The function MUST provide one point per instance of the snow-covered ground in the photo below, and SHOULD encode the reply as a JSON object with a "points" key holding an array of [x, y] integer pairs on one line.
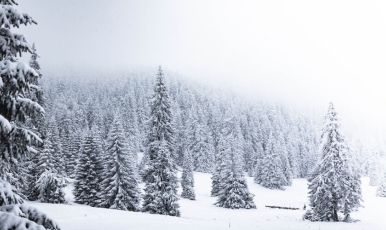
{"points": [[202, 214]]}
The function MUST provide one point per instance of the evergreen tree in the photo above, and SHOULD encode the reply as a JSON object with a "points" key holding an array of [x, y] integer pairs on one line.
{"points": [[19, 84], [33, 62], [160, 172], [233, 190], [46, 161], [187, 180], [270, 173], [57, 156], [353, 193], [161, 184], [160, 120], [223, 147], [381, 190], [201, 144], [119, 186], [286, 167], [50, 187], [180, 134], [38, 125], [18, 177], [75, 149], [374, 168], [333, 187], [88, 173], [66, 142]]}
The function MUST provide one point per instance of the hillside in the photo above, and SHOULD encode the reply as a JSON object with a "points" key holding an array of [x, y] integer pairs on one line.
{"points": [[203, 215]]}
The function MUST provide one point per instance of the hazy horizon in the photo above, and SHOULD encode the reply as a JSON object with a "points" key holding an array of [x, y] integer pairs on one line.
{"points": [[300, 53]]}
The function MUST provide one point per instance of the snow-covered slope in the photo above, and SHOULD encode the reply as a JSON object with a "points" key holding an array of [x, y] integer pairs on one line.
{"points": [[202, 214]]}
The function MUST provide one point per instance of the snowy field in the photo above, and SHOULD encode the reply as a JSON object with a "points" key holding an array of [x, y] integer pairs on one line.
{"points": [[202, 214]]}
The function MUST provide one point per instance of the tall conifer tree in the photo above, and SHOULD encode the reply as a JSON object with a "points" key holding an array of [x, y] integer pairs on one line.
{"points": [[119, 186], [220, 164], [233, 189], [160, 172], [88, 173], [270, 173], [333, 186], [18, 87], [187, 180], [381, 190]]}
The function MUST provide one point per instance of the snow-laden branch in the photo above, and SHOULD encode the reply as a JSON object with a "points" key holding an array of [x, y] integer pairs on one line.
{"points": [[5, 125], [11, 17], [29, 105], [19, 70], [10, 221], [8, 195], [8, 2], [27, 213]]}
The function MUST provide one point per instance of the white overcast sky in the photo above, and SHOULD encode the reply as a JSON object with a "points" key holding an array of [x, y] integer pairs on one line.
{"points": [[303, 52]]}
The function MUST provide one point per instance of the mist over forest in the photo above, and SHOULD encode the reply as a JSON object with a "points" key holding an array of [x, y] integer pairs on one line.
{"points": [[193, 114]]}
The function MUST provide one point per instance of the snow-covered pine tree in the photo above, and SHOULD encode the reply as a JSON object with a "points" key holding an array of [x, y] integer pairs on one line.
{"points": [[15, 105], [131, 128], [286, 167], [180, 132], [160, 172], [39, 125], [88, 172], [38, 96], [270, 173], [187, 179], [119, 181], [49, 185], [18, 177], [220, 164], [66, 142], [46, 161], [161, 184], [57, 156], [33, 62], [233, 189], [253, 148], [381, 190], [353, 193], [17, 140], [333, 187], [374, 169], [33, 175], [75, 150], [201, 144]]}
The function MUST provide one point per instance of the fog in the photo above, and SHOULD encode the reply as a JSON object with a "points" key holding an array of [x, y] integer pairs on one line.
{"points": [[305, 53]]}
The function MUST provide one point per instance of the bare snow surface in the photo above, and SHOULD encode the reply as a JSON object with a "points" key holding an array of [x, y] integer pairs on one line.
{"points": [[203, 215]]}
